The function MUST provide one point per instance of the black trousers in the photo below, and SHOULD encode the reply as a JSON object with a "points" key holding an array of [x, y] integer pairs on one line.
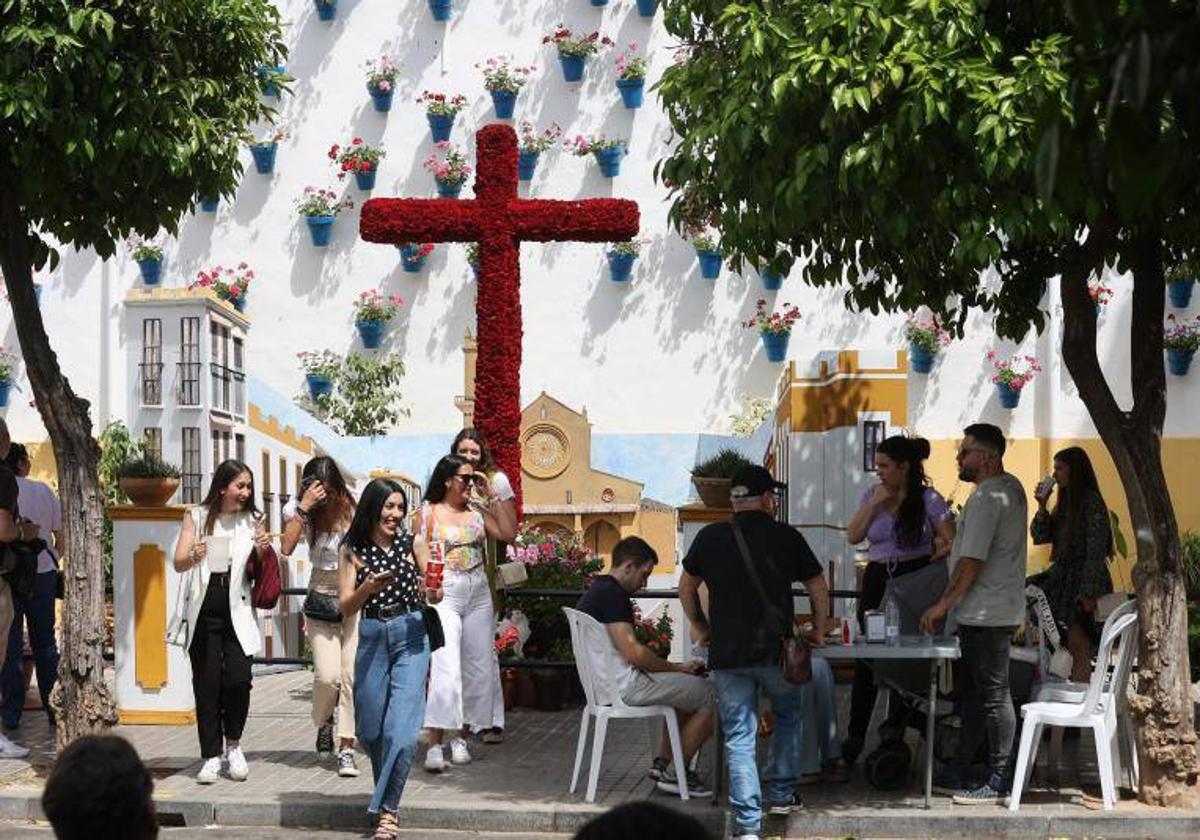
{"points": [[220, 673], [863, 692], [988, 710]]}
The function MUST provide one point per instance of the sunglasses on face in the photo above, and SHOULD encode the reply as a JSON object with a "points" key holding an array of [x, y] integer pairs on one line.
{"points": [[472, 478]]}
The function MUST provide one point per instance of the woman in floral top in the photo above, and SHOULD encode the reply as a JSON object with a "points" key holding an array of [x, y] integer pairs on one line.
{"points": [[1081, 542]]}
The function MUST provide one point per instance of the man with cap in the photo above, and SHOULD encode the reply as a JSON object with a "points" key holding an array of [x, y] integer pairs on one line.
{"points": [[744, 647]]}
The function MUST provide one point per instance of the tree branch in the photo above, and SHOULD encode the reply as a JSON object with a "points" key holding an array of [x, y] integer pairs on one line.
{"points": [[1146, 373]]}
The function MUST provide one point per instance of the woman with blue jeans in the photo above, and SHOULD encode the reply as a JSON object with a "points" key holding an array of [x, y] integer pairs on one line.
{"points": [[382, 576]]}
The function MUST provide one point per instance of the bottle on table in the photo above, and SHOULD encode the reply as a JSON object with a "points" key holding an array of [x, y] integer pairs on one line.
{"points": [[891, 620]]}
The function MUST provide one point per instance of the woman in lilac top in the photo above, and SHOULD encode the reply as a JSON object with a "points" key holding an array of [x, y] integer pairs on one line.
{"points": [[907, 525]]}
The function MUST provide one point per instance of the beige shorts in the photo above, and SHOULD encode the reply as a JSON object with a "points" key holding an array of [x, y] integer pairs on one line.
{"points": [[685, 692]]}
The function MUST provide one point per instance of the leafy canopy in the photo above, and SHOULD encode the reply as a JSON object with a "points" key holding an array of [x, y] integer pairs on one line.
{"points": [[115, 114]]}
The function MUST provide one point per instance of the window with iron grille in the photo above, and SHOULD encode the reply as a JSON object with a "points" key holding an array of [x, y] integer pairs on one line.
{"points": [[190, 474], [150, 369], [152, 442], [239, 447], [189, 361], [873, 434], [219, 370], [267, 496]]}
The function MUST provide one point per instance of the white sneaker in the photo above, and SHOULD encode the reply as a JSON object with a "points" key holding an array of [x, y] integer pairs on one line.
{"points": [[10, 750], [458, 752], [239, 771], [210, 772], [434, 761]]}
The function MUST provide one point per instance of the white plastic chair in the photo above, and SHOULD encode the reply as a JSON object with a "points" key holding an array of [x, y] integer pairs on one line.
{"points": [[597, 660], [1097, 712]]}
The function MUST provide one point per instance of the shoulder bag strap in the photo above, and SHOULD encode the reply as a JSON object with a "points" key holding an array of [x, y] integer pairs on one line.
{"points": [[772, 611]]}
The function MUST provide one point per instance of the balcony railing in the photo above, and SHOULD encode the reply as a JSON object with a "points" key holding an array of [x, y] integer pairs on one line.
{"points": [[228, 390], [188, 382], [151, 382]]}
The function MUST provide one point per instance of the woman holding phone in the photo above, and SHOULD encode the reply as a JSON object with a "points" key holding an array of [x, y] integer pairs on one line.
{"points": [[217, 538], [321, 515], [381, 579]]}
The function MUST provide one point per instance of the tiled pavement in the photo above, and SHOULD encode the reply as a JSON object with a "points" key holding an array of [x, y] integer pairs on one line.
{"points": [[521, 785]]}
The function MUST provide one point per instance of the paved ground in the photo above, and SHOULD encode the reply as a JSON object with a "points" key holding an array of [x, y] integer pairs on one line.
{"points": [[521, 786]]}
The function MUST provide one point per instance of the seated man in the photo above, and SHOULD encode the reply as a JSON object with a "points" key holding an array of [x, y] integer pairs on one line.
{"points": [[646, 679]]}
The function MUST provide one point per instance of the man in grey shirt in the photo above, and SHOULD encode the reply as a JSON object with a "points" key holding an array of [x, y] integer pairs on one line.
{"points": [[987, 592]]}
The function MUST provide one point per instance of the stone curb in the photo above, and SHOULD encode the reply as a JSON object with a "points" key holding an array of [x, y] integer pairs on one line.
{"points": [[992, 823]]}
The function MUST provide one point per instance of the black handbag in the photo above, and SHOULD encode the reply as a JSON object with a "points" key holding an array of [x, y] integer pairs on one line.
{"points": [[321, 607], [433, 628], [18, 566]]}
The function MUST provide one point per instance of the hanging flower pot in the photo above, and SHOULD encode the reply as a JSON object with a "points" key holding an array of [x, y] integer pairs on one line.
{"points": [[264, 157], [440, 126], [1010, 397], [775, 345], [381, 99], [151, 269], [412, 257], [599, 2], [710, 263], [609, 159], [209, 205], [1012, 375], [772, 280], [371, 333], [774, 328], [620, 266], [269, 79], [1179, 361], [572, 67], [441, 9], [1180, 340], [448, 189], [37, 292], [647, 8], [5, 385], [920, 360], [326, 9], [631, 91], [526, 163], [504, 101], [365, 179], [320, 228], [925, 334], [318, 386], [1180, 293]]}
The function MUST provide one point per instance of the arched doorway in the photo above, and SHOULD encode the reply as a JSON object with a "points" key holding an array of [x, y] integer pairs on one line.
{"points": [[600, 538]]}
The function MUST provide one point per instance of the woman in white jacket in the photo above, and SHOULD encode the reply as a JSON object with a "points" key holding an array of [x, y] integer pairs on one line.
{"points": [[216, 540]]}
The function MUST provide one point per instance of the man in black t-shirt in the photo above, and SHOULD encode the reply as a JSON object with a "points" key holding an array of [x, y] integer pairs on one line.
{"points": [[11, 530], [643, 677], [743, 644]]}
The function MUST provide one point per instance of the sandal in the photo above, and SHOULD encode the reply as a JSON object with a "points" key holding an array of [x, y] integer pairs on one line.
{"points": [[387, 828]]}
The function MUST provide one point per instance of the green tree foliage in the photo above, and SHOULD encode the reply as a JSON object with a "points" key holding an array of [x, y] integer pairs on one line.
{"points": [[366, 396], [961, 154]]}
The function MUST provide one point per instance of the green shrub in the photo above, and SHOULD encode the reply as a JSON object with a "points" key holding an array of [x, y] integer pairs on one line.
{"points": [[722, 465], [148, 466]]}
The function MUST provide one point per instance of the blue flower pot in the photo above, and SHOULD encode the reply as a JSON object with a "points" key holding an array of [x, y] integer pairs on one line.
{"points": [[441, 9], [264, 157], [37, 292], [326, 9], [371, 333], [1178, 361], [4, 386], [1009, 396], [772, 280], [599, 2], [209, 205], [775, 345], [269, 88], [321, 229], [447, 189], [380, 99], [239, 303], [504, 101], [526, 163], [1096, 311], [920, 360], [647, 8], [411, 259], [366, 180], [151, 269], [572, 67], [631, 91], [609, 159], [710, 264], [439, 126], [620, 266], [318, 386], [1180, 293]]}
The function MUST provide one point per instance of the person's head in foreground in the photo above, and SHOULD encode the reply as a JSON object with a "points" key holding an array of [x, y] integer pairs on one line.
{"points": [[643, 821], [100, 790]]}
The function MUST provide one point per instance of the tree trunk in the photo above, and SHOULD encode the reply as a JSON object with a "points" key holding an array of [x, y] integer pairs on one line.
{"points": [[81, 699], [1160, 701]]}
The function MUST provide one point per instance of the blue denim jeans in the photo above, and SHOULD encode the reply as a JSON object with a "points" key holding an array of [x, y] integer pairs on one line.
{"points": [[389, 700], [819, 742], [38, 612], [737, 702]]}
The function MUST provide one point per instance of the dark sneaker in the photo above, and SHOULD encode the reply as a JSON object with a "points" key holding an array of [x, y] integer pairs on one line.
{"points": [[782, 809], [657, 768], [949, 781], [852, 747], [983, 795], [325, 739], [667, 783]]}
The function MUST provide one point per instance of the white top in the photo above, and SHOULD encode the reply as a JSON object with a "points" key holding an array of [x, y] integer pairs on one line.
{"points": [[39, 504], [323, 553], [240, 528]]}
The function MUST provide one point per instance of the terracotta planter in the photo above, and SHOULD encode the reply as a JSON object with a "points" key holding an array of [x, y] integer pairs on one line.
{"points": [[508, 685], [714, 492], [149, 492], [552, 688]]}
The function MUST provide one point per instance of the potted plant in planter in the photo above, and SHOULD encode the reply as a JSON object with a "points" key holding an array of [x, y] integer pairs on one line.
{"points": [[272, 81], [360, 158], [413, 256], [1100, 295], [1181, 338], [574, 50], [708, 254], [320, 207], [7, 362], [1181, 279], [621, 257], [148, 481], [647, 8], [149, 257], [607, 152], [473, 259], [775, 328], [925, 336], [772, 280], [440, 111], [441, 9], [231, 285], [631, 77], [531, 145], [320, 371], [504, 81], [208, 203], [372, 311], [449, 172], [381, 81], [1011, 376], [263, 151], [326, 9], [712, 476]]}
